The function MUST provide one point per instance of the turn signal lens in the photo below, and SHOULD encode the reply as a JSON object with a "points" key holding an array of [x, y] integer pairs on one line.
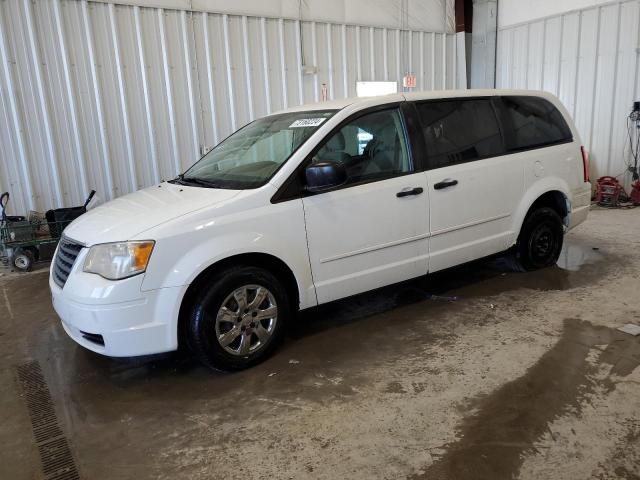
{"points": [[141, 253]]}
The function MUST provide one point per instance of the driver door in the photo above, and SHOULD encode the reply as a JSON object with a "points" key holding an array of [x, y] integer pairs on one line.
{"points": [[373, 230]]}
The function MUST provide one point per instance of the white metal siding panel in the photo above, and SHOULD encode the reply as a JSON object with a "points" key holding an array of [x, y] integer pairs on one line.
{"points": [[450, 61], [589, 59], [111, 97], [604, 92], [569, 60], [20, 85], [625, 87], [535, 56], [586, 73], [552, 48], [519, 55], [503, 60]]}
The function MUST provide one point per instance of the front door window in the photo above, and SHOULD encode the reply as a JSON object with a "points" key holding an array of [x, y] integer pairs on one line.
{"points": [[371, 147]]}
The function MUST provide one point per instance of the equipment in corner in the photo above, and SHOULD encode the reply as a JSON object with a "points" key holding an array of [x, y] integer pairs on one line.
{"points": [[608, 191], [22, 239], [634, 118], [59, 218], [635, 193], [633, 131], [611, 194]]}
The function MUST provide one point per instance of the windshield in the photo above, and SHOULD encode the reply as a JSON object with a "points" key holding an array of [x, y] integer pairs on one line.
{"points": [[249, 157]]}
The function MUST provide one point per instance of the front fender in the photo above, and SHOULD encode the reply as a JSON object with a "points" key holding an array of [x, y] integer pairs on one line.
{"points": [[184, 251]]}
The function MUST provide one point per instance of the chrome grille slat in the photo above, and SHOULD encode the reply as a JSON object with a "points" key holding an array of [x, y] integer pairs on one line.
{"points": [[71, 249], [68, 251], [69, 257], [64, 267]]}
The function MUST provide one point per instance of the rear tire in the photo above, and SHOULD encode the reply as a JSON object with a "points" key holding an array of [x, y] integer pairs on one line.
{"points": [[238, 318], [540, 241]]}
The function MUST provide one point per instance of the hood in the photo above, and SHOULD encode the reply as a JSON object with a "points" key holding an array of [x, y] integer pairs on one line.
{"points": [[125, 217]]}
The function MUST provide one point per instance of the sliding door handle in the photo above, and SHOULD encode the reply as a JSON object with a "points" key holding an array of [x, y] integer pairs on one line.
{"points": [[412, 191], [445, 184]]}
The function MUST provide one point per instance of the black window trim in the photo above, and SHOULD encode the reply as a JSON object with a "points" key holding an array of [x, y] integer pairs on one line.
{"points": [[492, 99], [293, 187]]}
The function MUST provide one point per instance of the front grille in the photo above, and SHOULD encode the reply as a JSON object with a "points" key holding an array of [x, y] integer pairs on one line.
{"points": [[68, 251]]}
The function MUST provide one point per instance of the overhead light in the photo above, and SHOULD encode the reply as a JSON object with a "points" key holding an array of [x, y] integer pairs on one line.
{"points": [[374, 89]]}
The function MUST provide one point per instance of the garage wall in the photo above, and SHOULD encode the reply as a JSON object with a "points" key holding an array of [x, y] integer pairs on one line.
{"points": [[520, 11], [589, 59], [428, 15], [113, 97]]}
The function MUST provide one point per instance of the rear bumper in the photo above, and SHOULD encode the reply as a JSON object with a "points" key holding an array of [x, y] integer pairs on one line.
{"points": [[141, 326], [580, 205]]}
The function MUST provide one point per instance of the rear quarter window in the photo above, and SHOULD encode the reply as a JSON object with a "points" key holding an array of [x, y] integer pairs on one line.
{"points": [[459, 130], [531, 122]]}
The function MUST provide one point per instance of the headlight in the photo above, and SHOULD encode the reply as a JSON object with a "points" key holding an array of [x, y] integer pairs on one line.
{"points": [[115, 261]]}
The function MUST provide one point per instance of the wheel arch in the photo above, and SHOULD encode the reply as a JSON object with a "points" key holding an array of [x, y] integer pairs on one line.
{"points": [[552, 193], [253, 259], [554, 199]]}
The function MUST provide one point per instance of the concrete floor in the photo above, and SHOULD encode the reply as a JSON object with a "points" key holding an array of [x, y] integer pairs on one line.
{"points": [[522, 376]]}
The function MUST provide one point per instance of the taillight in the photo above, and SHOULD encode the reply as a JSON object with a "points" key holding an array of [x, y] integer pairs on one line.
{"points": [[585, 164]]}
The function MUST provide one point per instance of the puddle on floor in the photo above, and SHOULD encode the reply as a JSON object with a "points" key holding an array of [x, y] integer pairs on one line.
{"points": [[509, 421], [575, 255]]}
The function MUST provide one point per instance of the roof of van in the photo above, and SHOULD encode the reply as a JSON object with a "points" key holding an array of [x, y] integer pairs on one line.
{"points": [[412, 96]]}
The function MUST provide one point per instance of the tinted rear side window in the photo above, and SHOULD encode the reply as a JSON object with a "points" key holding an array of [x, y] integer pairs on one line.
{"points": [[459, 130], [530, 122]]}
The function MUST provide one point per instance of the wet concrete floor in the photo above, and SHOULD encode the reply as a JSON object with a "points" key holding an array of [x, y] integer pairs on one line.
{"points": [[472, 373]]}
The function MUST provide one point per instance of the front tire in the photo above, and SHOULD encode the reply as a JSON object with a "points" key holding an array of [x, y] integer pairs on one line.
{"points": [[238, 318], [540, 241]]}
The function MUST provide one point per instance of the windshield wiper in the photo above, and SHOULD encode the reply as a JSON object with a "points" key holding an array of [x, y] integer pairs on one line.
{"points": [[199, 181], [179, 180]]}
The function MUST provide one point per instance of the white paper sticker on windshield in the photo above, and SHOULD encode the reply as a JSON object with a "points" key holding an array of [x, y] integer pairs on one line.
{"points": [[307, 122]]}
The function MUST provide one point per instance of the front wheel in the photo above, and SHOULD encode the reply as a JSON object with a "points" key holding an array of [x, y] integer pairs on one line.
{"points": [[238, 318], [540, 241]]}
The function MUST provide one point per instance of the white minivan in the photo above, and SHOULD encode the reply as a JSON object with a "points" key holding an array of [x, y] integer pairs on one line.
{"points": [[317, 203]]}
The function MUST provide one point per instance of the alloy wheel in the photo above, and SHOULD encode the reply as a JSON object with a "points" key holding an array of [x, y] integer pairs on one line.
{"points": [[246, 320]]}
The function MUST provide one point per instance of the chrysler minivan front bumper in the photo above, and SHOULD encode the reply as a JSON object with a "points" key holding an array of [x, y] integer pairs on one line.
{"points": [[116, 318]]}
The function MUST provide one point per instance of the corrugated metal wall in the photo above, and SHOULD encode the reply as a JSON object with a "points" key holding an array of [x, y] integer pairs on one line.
{"points": [[116, 97], [589, 59]]}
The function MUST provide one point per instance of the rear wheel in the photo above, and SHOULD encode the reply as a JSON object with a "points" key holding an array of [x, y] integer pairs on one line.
{"points": [[238, 318], [540, 241]]}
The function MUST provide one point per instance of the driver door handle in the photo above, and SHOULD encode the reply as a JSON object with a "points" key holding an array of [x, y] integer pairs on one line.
{"points": [[412, 191], [445, 184]]}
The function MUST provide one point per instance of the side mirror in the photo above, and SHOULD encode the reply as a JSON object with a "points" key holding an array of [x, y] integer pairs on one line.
{"points": [[323, 176]]}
